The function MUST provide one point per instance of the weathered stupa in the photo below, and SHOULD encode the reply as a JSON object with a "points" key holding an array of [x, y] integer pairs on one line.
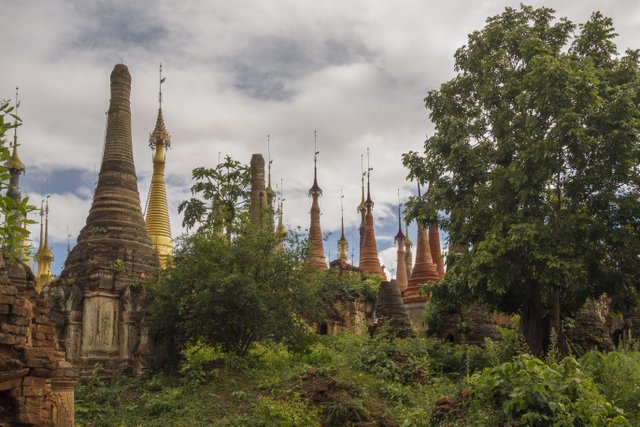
{"points": [[408, 253], [369, 261], [258, 198], [157, 218], [436, 252], [315, 248], [101, 311], [401, 267], [391, 312]]}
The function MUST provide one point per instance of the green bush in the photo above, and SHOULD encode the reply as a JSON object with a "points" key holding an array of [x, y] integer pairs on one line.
{"points": [[532, 393], [617, 375]]}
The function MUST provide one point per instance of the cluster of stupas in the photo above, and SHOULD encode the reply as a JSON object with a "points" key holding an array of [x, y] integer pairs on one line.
{"points": [[428, 267], [96, 298]]}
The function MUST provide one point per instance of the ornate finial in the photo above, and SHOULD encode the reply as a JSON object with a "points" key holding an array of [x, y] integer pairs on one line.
{"points": [[160, 134], [342, 212], [369, 169], [269, 162], [161, 80], [14, 162], [68, 240], [399, 235], [316, 188]]}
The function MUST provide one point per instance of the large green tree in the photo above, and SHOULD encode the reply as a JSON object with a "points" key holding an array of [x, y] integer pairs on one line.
{"points": [[534, 168]]}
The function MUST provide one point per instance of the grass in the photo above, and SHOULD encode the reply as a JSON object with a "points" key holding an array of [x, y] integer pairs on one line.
{"points": [[345, 380]]}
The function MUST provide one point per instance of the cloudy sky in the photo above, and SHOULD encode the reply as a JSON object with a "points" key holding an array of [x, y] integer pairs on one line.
{"points": [[356, 71]]}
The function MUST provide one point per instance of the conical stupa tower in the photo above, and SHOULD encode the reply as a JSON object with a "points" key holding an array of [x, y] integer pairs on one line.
{"points": [[157, 219], [315, 248], [44, 256], [16, 168], [424, 270], [401, 267], [408, 253], [436, 252], [115, 231], [362, 207], [281, 232], [104, 309], [258, 199], [369, 261]]}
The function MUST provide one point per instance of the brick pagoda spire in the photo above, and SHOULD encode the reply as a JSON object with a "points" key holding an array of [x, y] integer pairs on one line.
{"points": [[408, 253], [436, 252], [103, 312], [157, 219], [362, 207], [258, 197], [315, 249], [115, 228], [369, 260], [424, 270], [401, 267]]}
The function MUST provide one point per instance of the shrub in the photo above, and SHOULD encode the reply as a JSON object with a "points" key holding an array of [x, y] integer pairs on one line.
{"points": [[533, 393]]}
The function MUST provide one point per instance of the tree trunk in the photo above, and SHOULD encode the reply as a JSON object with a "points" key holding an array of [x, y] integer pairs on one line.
{"points": [[534, 323]]}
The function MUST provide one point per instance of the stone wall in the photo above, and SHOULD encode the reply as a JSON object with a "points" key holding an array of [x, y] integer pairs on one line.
{"points": [[354, 316], [36, 383]]}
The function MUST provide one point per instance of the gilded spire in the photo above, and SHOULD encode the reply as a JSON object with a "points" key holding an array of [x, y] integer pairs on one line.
{"points": [[343, 243], [369, 260], [157, 215], [16, 168], [14, 163], [44, 256], [401, 268], [315, 249]]}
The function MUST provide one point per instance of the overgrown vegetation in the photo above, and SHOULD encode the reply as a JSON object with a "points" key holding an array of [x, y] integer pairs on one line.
{"points": [[348, 379]]}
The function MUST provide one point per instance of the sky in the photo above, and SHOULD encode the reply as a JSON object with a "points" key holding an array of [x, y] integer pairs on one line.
{"points": [[354, 71]]}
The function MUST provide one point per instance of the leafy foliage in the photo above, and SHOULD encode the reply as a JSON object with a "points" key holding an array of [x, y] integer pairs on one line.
{"points": [[533, 393], [533, 166], [232, 294], [224, 196], [13, 212]]}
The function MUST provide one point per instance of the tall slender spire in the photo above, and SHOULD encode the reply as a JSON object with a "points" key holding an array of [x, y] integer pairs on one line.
{"points": [[424, 270], [157, 215], [343, 243], [270, 193], [434, 244], [401, 268], [16, 168], [408, 253], [315, 249], [281, 232], [44, 256], [369, 260], [362, 207]]}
